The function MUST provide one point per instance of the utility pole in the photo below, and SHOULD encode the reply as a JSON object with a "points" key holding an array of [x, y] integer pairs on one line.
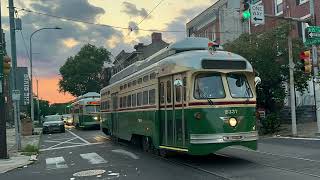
{"points": [[292, 90], [3, 135], [315, 67], [16, 114]]}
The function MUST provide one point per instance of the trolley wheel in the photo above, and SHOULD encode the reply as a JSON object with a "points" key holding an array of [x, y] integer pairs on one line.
{"points": [[146, 144]]}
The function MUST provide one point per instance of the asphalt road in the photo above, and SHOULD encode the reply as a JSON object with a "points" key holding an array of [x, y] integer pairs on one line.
{"points": [[90, 154]]}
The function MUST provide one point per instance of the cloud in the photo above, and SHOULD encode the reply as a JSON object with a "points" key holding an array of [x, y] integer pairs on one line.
{"points": [[132, 10], [179, 23], [70, 42], [52, 47]]}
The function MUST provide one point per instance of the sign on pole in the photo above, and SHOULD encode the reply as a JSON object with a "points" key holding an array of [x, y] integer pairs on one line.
{"points": [[312, 35], [257, 14], [16, 95]]}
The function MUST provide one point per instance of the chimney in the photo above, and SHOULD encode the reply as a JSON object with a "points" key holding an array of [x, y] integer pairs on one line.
{"points": [[156, 37]]}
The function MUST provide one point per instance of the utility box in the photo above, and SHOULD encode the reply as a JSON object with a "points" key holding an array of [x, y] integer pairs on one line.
{"points": [[26, 127]]}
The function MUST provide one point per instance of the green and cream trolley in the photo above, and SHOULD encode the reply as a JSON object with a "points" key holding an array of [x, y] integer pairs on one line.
{"points": [[183, 98], [86, 110]]}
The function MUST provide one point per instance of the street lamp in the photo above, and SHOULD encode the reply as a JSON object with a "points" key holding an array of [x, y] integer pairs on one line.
{"points": [[31, 88]]}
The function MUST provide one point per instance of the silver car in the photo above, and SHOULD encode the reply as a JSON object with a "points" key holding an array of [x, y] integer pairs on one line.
{"points": [[53, 123]]}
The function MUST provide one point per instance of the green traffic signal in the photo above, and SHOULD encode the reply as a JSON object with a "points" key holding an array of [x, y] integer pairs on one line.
{"points": [[246, 15]]}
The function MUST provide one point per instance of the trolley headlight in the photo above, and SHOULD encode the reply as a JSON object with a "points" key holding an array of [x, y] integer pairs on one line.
{"points": [[95, 118], [233, 122]]}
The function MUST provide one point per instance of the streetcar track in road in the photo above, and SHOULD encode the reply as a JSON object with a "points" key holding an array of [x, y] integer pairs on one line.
{"points": [[277, 167], [280, 155], [223, 176]]}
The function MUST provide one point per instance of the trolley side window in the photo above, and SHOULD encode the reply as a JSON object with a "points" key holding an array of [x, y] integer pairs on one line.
{"points": [[134, 100], [161, 93], [239, 86], [209, 86], [129, 101], [178, 93], [139, 99], [168, 91], [145, 97], [152, 96]]}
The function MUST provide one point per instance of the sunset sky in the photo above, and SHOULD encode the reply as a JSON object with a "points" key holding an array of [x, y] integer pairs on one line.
{"points": [[52, 47]]}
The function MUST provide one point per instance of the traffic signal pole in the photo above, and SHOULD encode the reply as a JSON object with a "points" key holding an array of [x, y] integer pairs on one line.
{"points": [[3, 135], [315, 69]]}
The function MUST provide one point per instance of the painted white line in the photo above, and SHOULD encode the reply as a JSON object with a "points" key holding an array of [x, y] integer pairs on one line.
{"points": [[296, 138], [61, 143], [93, 158], [127, 153], [64, 142], [280, 155], [85, 141], [66, 147], [56, 163]]}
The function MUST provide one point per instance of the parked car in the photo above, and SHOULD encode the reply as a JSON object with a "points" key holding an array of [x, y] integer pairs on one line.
{"points": [[53, 123]]}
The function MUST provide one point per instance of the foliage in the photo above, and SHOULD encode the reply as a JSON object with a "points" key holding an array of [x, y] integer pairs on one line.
{"points": [[270, 124], [44, 108], [30, 150], [268, 53], [84, 72], [58, 108]]}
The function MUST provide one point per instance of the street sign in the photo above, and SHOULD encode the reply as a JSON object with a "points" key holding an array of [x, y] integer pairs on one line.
{"points": [[15, 95], [312, 35], [257, 14]]}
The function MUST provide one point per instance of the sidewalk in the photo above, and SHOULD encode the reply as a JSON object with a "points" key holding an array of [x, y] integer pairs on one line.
{"points": [[307, 130], [16, 158]]}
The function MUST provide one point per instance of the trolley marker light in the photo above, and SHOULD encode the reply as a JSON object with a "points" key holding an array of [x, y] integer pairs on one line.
{"points": [[6, 65]]}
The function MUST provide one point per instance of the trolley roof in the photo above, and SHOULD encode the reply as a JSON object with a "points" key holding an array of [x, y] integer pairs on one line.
{"points": [[88, 97], [188, 53]]}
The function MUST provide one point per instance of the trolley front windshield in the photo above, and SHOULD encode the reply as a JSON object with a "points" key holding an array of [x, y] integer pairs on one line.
{"points": [[209, 86], [239, 86]]}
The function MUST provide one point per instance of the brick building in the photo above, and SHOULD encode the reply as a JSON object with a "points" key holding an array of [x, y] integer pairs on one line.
{"points": [[124, 59], [220, 22], [289, 8]]}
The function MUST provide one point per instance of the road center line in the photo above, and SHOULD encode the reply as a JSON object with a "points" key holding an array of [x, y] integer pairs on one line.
{"points": [[85, 141]]}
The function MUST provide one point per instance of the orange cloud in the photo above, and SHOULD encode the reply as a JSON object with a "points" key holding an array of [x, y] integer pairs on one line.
{"points": [[49, 90], [70, 42]]}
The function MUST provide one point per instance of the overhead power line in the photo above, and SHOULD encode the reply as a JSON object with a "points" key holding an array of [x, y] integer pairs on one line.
{"points": [[111, 26], [96, 24], [150, 12]]}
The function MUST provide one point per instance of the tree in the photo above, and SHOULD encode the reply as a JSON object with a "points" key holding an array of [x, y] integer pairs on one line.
{"points": [[84, 72], [268, 53]]}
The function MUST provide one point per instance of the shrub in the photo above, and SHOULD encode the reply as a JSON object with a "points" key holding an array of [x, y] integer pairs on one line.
{"points": [[270, 124]]}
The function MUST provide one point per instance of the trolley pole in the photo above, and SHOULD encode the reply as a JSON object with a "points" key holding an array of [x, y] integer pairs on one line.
{"points": [[3, 134], [315, 69]]}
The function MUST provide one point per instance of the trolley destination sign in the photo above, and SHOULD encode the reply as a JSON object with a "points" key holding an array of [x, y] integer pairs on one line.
{"points": [[312, 35]]}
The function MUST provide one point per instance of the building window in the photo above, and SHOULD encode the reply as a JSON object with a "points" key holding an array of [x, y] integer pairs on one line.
{"points": [[129, 84], [278, 7], [139, 80], [152, 96], [121, 87], [145, 97], [134, 82], [125, 86]]}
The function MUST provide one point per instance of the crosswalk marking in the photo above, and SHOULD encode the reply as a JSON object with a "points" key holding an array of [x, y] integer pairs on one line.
{"points": [[93, 158], [56, 163]]}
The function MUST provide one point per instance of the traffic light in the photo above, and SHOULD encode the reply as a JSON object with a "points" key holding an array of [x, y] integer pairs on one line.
{"points": [[305, 58], [246, 10], [6, 65]]}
